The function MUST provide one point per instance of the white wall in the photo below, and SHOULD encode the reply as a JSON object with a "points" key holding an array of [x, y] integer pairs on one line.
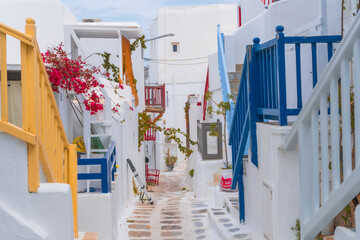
{"points": [[250, 9], [50, 17], [272, 195], [195, 30], [96, 214], [47, 213]]}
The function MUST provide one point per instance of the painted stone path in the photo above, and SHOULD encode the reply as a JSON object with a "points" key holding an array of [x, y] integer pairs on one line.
{"points": [[175, 215]]}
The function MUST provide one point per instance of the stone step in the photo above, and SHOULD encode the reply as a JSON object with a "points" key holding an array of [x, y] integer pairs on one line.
{"points": [[342, 233], [239, 67], [101, 123], [234, 76], [88, 236], [228, 228], [231, 205]]}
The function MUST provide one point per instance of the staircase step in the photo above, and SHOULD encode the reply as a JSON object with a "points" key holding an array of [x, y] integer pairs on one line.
{"points": [[342, 233], [99, 150], [229, 228], [101, 123], [88, 236], [101, 135], [239, 67], [231, 205]]}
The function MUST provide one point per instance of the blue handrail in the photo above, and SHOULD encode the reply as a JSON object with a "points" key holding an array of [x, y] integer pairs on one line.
{"points": [[224, 78], [262, 94], [107, 169]]}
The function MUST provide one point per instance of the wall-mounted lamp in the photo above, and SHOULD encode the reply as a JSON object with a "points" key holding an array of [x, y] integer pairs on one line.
{"points": [[162, 36]]}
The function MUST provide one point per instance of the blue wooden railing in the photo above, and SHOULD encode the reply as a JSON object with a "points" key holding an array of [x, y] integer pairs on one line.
{"points": [[262, 94], [224, 78], [107, 169]]}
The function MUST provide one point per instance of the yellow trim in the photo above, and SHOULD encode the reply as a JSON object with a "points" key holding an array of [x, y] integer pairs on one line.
{"points": [[18, 132], [4, 78], [41, 128], [46, 166], [16, 34], [73, 183]]}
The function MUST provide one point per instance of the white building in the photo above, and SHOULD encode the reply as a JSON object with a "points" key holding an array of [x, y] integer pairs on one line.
{"points": [[282, 185], [48, 213], [180, 61]]}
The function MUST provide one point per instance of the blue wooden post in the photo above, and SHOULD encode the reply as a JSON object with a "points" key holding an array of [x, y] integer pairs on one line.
{"points": [[253, 93], [281, 75], [104, 177]]}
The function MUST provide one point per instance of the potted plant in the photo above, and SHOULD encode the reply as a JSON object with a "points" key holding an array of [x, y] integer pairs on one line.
{"points": [[170, 160]]}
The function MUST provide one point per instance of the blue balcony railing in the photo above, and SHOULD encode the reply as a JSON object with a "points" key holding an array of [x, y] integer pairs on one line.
{"points": [[107, 169], [262, 94]]}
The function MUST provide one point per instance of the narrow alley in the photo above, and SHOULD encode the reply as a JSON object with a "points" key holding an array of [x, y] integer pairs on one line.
{"points": [[180, 214]]}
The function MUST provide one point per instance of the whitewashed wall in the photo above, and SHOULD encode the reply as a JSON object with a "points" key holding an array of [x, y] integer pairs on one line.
{"points": [[272, 190], [46, 214], [195, 30], [50, 17]]}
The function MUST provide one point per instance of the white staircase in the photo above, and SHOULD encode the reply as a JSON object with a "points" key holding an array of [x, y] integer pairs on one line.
{"points": [[330, 177], [44, 215], [97, 126]]}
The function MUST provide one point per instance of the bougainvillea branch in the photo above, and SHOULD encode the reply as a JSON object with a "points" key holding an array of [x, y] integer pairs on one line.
{"points": [[73, 76]]}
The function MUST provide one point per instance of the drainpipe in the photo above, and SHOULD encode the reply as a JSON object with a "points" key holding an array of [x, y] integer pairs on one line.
{"points": [[323, 10]]}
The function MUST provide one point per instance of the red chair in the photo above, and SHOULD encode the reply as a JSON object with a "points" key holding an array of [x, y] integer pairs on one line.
{"points": [[152, 175]]}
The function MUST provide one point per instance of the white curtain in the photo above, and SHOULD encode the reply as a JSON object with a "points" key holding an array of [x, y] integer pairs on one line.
{"points": [[14, 103]]}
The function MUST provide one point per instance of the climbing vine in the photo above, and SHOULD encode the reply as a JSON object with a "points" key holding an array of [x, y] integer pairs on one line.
{"points": [[111, 69], [135, 44], [221, 109], [145, 123]]}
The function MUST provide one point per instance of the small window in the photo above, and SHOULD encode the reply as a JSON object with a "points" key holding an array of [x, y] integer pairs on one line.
{"points": [[175, 47]]}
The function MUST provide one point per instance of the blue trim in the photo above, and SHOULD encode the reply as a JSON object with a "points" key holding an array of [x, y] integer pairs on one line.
{"points": [[262, 94], [313, 39], [280, 46], [330, 51], [314, 63], [265, 45], [87, 176], [224, 78], [298, 75], [107, 166]]}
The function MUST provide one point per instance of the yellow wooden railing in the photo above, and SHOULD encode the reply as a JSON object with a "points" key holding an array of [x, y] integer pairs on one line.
{"points": [[42, 127]]}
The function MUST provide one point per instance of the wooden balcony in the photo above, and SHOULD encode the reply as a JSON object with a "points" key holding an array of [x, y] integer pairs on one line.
{"points": [[155, 99], [150, 135]]}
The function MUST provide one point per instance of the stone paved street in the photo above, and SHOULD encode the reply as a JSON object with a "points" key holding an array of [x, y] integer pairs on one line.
{"points": [[178, 215], [175, 215]]}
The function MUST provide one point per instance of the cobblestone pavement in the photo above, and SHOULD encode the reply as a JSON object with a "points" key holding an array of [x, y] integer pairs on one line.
{"points": [[175, 215]]}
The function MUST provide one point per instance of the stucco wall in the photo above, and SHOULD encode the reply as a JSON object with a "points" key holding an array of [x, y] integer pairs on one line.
{"points": [[272, 195], [47, 213], [96, 214], [195, 30], [50, 17]]}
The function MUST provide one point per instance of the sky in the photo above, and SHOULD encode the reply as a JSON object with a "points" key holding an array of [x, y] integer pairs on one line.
{"points": [[140, 11]]}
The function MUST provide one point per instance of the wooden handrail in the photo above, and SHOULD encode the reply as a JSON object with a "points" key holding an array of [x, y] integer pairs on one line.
{"points": [[42, 127], [25, 38]]}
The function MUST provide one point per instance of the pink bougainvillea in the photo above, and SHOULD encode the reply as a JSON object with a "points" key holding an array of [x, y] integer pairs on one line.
{"points": [[73, 76]]}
